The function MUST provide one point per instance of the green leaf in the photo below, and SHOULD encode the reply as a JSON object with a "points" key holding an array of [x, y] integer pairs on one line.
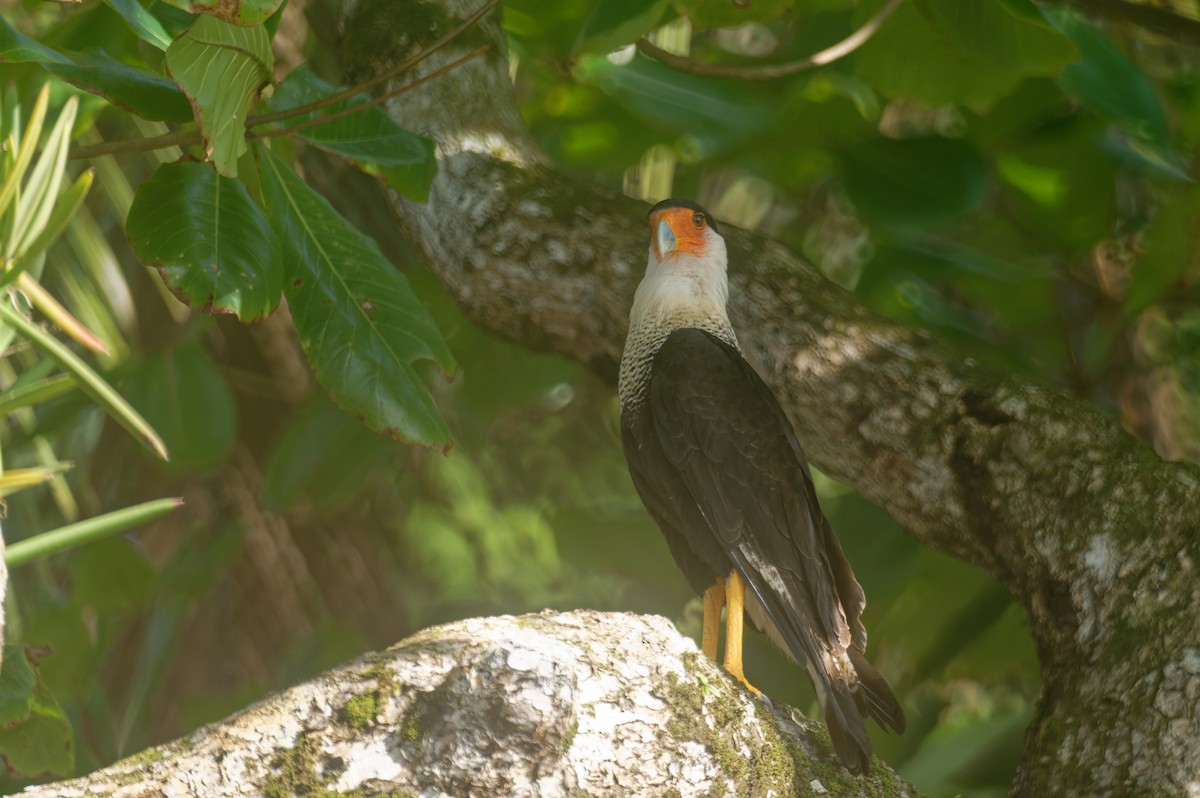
{"points": [[368, 139], [18, 162], [731, 13], [324, 457], [971, 52], [916, 182], [361, 327], [18, 479], [17, 48], [35, 392], [614, 23], [144, 24], [137, 90], [40, 192], [113, 575], [1171, 251], [43, 743], [62, 211], [209, 240], [243, 12], [188, 401], [16, 686], [87, 531], [88, 380], [222, 69], [1117, 91], [711, 116]]}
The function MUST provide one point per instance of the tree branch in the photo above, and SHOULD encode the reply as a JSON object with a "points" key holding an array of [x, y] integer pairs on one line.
{"points": [[493, 707], [772, 71], [1086, 527], [1165, 21]]}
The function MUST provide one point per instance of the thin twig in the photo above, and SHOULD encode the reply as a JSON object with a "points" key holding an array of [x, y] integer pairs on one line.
{"points": [[178, 138], [771, 71], [374, 101], [365, 86], [187, 137], [1163, 21]]}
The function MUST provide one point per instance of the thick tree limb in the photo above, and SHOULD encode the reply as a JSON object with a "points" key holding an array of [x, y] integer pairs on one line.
{"points": [[1089, 530], [584, 703]]}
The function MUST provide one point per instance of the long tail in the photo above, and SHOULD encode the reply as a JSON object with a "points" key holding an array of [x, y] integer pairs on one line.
{"points": [[847, 727], [847, 708], [875, 697]]}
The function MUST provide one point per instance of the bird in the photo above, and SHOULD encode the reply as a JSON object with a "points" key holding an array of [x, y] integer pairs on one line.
{"points": [[718, 467]]}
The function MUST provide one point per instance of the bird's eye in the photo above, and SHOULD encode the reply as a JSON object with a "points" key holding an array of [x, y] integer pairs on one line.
{"points": [[698, 219]]}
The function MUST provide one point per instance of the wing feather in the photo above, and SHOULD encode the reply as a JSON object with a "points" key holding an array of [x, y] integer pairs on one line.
{"points": [[735, 464]]}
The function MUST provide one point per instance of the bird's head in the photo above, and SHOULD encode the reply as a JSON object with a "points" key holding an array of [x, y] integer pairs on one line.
{"points": [[681, 230]]}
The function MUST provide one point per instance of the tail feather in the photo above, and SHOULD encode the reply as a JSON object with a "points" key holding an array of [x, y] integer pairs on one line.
{"points": [[847, 729], [877, 698]]}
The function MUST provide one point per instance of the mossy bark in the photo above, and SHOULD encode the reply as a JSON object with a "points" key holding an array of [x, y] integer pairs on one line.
{"points": [[555, 704]]}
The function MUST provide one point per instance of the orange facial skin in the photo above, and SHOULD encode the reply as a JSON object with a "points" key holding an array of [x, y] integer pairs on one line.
{"points": [[690, 228]]}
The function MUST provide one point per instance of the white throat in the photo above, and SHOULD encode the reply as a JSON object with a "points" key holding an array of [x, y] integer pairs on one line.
{"points": [[682, 288], [679, 291]]}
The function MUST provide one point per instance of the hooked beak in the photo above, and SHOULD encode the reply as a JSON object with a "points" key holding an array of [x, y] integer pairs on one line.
{"points": [[666, 238]]}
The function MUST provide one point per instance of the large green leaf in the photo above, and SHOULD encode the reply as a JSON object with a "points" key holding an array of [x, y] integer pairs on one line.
{"points": [[17, 48], [970, 52], [113, 575], [358, 321], [613, 23], [16, 686], [189, 403], [731, 13], [710, 115], [43, 743], [242, 12], [1112, 87], [209, 239], [221, 68], [139, 91], [324, 457], [142, 22], [1171, 251], [369, 139], [921, 181]]}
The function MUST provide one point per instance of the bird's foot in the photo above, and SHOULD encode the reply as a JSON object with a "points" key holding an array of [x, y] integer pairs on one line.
{"points": [[740, 675]]}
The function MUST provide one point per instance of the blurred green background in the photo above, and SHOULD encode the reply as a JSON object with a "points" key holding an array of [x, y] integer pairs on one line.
{"points": [[1015, 178]]}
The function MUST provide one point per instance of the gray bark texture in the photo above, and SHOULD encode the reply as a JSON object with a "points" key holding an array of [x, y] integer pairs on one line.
{"points": [[1091, 532], [594, 704]]}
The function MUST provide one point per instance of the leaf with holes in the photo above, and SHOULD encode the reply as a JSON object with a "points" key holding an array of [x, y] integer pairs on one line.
{"points": [[359, 322], [211, 242], [221, 68]]}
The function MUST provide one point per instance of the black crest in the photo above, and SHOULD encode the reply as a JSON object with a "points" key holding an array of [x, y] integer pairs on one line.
{"points": [[691, 206]]}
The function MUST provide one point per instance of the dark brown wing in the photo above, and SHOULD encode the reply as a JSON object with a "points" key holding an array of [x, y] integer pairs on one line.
{"points": [[737, 465]]}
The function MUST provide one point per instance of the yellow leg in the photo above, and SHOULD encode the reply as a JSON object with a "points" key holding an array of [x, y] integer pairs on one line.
{"points": [[714, 600], [735, 600]]}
